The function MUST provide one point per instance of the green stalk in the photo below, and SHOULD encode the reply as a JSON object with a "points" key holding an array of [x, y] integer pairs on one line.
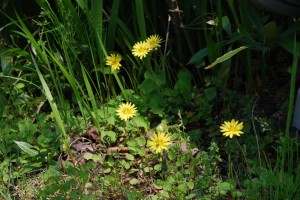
{"points": [[292, 89], [59, 121], [230, 3], [115, 75], [286, 145], [120, 85], [91, 98]]}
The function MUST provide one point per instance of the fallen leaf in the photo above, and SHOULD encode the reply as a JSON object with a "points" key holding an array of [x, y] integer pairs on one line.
{"points": [[83, 146]]}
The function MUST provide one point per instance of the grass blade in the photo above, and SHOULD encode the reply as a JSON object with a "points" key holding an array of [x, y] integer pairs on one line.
{"points": [[52, 104], [139, 9], [225, 57]]}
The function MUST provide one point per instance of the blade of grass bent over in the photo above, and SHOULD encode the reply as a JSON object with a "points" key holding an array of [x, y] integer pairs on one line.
{"points": [[53, 106]]}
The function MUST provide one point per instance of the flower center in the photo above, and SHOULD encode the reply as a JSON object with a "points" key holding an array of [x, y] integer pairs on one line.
{"points": [[127, 111], [232, 128], [159, 143]]}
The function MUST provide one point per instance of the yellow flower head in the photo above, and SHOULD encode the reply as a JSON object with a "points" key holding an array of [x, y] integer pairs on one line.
{"points": [[126, 111], [114, 61], [232, 128], [140, 49], [154, 41], [159, 141]]}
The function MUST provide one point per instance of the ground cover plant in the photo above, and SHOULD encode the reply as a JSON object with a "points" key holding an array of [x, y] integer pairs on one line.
{"points": [[147, 100]]}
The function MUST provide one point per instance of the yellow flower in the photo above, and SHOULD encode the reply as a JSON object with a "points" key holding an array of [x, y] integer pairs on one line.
{"points": [[158, 142], [126, 111], [140, 49], [114, 61], [154, 41], [232, 128]]}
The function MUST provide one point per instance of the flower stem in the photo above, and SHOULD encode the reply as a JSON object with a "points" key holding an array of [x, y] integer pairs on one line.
{"points": [[121, 86], [244, 155]]}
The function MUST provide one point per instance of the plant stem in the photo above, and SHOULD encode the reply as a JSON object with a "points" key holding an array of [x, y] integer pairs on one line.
{"points": [[292, 89], [120, 85], [244, 155]]}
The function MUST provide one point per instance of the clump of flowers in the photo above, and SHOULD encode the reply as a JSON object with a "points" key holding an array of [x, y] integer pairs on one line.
{"points": [[142, 48], [159, 141], [232, 128], [114, 61], [126, 111]]}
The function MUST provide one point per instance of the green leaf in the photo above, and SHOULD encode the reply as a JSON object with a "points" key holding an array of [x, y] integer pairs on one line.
{"points": [[182, 187], [210, 93], [20, 85], [141, 141], [140, 121], [126, 165], [190, 185], [171, 155], [148, 169], [106, 70], [162, 127], [90, 156], [165, 194], [27, 148], [167, 186], [226, 56], [270, 30], [134, 181], [112, 135], [157, 167], [288, 44], [148, 86], [131, 143], [225, 187], [129, 156], [141, 151], [110, 161], [226, 25], [184, 80], [198, 56], [107, 170], [6, 62]]}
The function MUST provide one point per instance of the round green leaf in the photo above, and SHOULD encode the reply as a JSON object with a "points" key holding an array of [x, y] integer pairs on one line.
{"points": [[182, 187], [190, 185], [134, 181]]}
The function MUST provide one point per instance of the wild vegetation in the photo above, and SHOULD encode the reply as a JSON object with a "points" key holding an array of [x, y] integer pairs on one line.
{"points": [[147, 100]]}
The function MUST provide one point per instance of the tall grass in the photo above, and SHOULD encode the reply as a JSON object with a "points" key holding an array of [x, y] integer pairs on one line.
{"points": [[72, 44]]}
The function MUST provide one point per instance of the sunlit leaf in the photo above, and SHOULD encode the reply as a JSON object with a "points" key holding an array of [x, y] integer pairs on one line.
{"points": [[182, 187], [134, 181], [141, 141], [226, 56], [140, 121], [167, 186], [129, 156], [190, 185], [110, 134], [90, 156], [28, 148]]}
